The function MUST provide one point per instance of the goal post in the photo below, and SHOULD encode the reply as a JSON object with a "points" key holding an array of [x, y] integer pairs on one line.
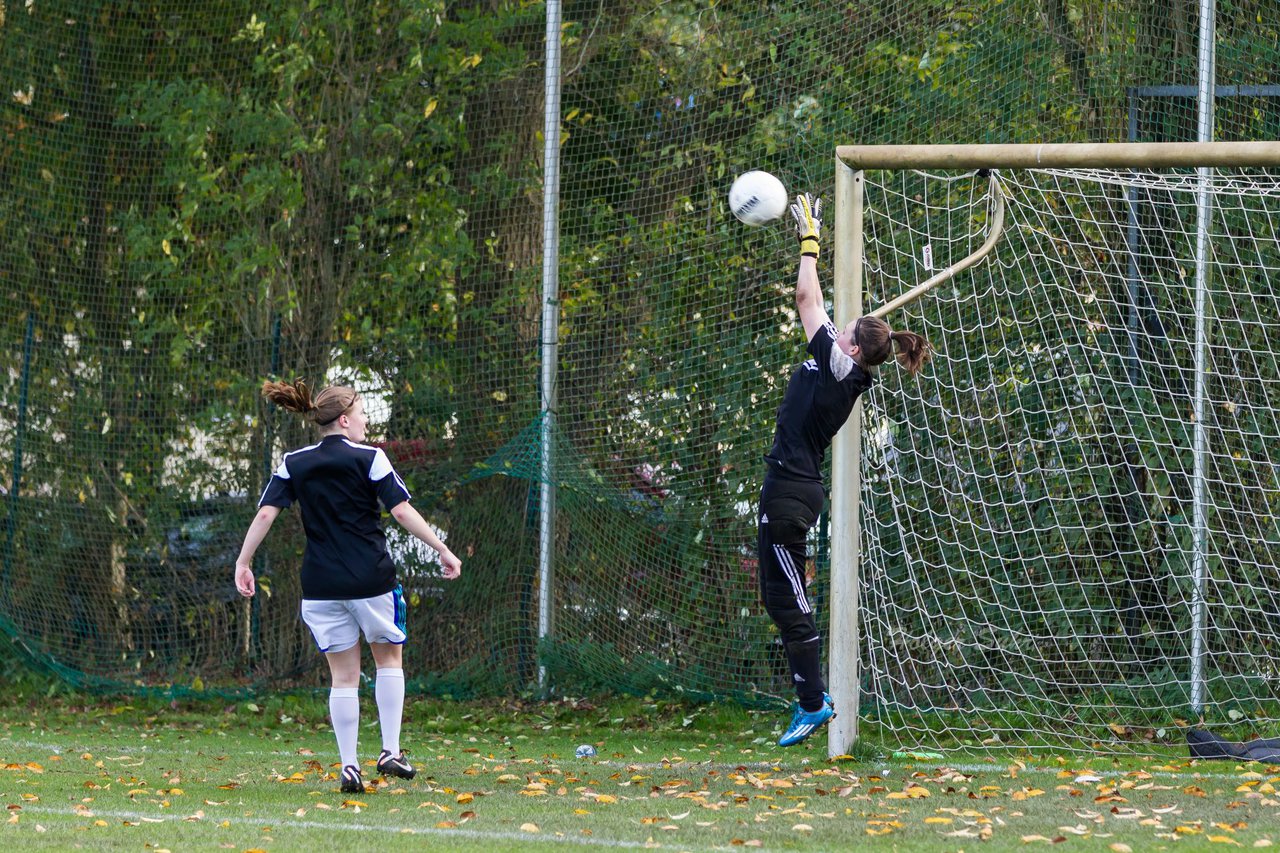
{"points": [[1073, 227]]}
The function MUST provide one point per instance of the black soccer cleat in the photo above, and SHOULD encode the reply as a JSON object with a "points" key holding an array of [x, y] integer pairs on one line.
{"points": [[395, 765], [352, 781]]}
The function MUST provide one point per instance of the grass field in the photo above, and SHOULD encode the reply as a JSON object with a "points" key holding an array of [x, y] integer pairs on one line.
{"points": [[150, 775]]}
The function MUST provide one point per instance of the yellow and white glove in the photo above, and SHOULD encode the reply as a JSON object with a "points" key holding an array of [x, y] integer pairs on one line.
{"points": [[808, 215]]}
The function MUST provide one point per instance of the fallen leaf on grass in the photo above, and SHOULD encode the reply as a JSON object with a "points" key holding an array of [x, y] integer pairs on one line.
{"points": [[913, 792]]}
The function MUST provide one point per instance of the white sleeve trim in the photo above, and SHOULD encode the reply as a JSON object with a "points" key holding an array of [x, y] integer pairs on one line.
{"points": [[381, 466], [841, 364]]}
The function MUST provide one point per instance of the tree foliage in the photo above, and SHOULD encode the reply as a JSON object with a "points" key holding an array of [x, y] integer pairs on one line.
{"points": [[196, 197]]}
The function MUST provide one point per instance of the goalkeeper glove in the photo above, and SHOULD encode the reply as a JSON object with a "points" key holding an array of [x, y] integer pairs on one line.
{"points": [[808, 212]]}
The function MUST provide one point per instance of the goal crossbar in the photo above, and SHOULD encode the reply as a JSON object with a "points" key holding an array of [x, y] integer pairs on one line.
{"points": [[1137, 155]]}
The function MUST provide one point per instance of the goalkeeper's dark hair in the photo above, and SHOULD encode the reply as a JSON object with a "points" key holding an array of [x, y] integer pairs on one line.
{"points": [[877, 342], [323, 408]]}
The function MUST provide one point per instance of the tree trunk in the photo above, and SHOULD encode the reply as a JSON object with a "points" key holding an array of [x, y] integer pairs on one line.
{"points": [[1074, 54], [106, 299]]}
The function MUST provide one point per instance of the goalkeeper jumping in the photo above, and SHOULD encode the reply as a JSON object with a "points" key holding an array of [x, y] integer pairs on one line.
{"points": [[818, 400]]}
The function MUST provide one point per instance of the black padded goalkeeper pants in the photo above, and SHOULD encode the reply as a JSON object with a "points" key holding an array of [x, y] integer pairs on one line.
{"points": [[788, 510]]}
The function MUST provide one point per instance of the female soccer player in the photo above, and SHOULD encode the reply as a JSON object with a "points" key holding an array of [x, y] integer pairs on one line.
{"points": [[348, 580], [818, 400]]}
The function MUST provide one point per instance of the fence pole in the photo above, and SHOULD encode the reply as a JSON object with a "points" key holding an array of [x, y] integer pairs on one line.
{"points": [[1204, 218], [550, 328]]}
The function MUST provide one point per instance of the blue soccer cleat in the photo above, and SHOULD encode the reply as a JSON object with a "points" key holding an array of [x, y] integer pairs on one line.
{"points": [[805, 723]]}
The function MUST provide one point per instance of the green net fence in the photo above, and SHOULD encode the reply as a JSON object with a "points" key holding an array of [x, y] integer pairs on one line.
{"points": [[198, 196]]}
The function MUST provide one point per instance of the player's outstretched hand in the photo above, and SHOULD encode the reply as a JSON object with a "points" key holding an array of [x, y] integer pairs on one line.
{"points": [[452, 565], [807, 212], [244, 581]]}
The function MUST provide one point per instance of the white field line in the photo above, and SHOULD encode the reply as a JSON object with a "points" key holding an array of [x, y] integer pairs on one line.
{"points": [[887, 771], [286, 823], [1104, 774], [424, 762]]}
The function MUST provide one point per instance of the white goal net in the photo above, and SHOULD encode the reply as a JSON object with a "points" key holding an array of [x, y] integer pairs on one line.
{"points": [[1097, 437]]}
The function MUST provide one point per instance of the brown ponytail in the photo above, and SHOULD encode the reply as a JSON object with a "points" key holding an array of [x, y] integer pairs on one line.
{"points": [[324, 408], [913, 350], [877, 341]]}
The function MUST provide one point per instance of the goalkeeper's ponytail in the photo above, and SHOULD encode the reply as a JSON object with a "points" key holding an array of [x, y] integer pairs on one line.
{"points": [[913, 350], [876, 342]]}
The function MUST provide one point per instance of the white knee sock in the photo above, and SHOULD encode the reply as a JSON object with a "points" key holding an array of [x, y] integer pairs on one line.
{"points": [[389, 690], [344, 711]]}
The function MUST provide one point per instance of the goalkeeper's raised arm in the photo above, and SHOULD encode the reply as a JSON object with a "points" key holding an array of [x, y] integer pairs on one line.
{"points": [[807, 212]]}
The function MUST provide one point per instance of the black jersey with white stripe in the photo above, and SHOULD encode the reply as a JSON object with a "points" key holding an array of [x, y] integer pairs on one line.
{"points": [[337, 485], [817, 402]]}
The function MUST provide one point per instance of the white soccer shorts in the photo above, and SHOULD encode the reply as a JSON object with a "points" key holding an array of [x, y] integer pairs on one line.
{"points": [[336, 625]]}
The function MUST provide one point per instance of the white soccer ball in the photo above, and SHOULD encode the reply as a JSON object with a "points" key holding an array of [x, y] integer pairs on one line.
{"points": [[585, 751], [757, 197]]}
